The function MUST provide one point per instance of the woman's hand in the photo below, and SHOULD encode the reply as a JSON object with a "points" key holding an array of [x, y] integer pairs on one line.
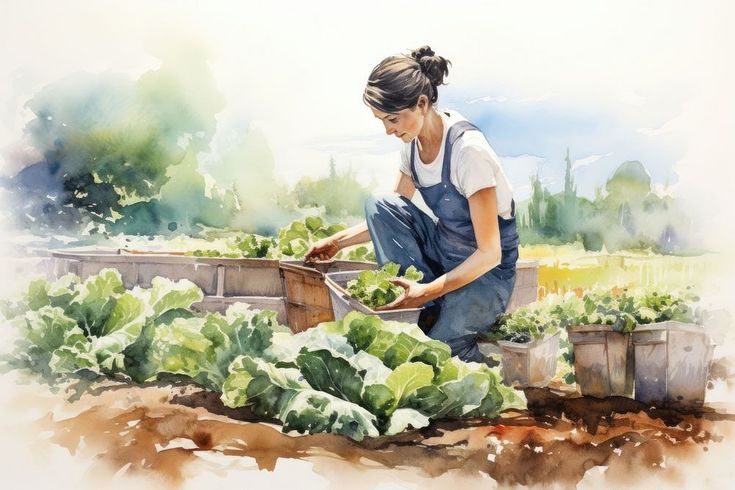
{"points": [[414, 295], [324, 249]]}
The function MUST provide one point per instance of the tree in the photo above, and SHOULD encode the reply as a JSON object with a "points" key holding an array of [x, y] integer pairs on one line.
{"points": [[340, 194], [535, 218], [108, 141]]}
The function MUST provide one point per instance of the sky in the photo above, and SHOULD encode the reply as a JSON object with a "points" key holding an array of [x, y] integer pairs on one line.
{"points": [[611, 81]]}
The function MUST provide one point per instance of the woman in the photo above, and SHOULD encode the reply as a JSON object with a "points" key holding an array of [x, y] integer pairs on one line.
{"points": [[468, 255]]}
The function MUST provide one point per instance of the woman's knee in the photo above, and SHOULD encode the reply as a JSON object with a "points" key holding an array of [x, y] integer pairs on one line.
{"points": [[375, 202]]}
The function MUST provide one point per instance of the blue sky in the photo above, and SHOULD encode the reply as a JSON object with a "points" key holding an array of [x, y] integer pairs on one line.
{"points": [[533, 136]]}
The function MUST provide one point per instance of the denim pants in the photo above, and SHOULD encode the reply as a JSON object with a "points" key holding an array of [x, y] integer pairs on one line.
{"points": [[404, 234]]}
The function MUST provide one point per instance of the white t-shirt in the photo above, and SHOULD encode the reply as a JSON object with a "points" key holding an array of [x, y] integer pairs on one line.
{"points": [[474, 165]]}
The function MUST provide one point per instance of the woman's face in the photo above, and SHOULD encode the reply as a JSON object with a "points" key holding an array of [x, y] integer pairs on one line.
{"points": [[406, 124]]}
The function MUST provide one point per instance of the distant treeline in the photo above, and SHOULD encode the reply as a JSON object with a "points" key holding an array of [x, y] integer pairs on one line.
{"points": [[124, 156], [625, 214], [117, 155]]}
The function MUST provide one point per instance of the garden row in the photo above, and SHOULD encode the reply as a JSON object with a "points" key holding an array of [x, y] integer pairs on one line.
{"points": [[360, 376], [265, 272], [646, 341]]}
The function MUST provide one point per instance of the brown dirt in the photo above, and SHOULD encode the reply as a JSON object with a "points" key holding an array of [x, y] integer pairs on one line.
{"points": [[160, 431]]}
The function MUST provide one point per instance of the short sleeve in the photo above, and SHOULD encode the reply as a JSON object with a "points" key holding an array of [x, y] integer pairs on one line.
{"points": [[474, 170], [405, 166]]}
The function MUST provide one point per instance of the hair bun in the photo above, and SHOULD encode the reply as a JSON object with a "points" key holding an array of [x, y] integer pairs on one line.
{"points": [[433, 66], [419, 53]]}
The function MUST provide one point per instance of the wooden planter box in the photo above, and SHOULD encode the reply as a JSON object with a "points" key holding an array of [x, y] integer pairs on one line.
{"points": [[525, 289], [221, 303], [214, 275]]}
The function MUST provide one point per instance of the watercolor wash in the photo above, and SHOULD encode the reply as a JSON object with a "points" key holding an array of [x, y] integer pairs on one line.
{"points": [[162, 314]]}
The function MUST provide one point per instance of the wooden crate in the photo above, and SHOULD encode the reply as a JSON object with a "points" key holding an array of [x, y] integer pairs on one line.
{"points": [[307, 297]]}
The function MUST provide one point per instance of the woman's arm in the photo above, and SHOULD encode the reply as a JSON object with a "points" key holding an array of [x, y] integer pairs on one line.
{"points": [[326, 248], [483, 212]]}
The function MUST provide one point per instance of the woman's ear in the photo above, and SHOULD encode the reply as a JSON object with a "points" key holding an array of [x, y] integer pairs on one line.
{"points": [[423, 103]]}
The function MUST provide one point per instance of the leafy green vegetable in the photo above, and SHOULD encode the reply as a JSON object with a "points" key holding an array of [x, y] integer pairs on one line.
{"points": [[362, 253], [359, 377], [539, 319], [405, 417], [331, 374], [373, 287], [95, 300], [203, 348], [295, 239], [315, 411], [621, 308], [241, 246]]}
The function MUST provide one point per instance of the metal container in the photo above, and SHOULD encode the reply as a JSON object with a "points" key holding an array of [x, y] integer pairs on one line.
{"points": [[671, 363], [343, 303], [603, 360], [529, 364]]}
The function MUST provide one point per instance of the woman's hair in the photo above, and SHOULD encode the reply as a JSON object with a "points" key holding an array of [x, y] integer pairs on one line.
{"points": [[398, 81]]}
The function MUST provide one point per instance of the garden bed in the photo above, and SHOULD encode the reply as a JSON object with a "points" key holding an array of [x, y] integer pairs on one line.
{"points": [[217, 276]]}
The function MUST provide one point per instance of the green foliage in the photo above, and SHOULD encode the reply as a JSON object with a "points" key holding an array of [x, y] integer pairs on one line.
{"points": [[292, 242], [110, 140], [359, 377], [373, 287], [340, 194], [626, 214], [538, 319], [659, 305], [96, 323], [621, 308], [295, 239], [362, 253]]}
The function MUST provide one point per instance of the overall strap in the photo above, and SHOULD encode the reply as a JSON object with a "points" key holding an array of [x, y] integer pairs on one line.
{"points": [[412, 163], [455, 131]]}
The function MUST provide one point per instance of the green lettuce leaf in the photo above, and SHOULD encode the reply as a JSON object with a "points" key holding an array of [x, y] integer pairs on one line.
{"points": [[96, 299], [403, 418]]}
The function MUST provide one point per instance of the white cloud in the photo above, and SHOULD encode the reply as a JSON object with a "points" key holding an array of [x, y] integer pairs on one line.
{"points": [[537, 98], [503, 98], [489, 98], [672, 125], [582, 162]]}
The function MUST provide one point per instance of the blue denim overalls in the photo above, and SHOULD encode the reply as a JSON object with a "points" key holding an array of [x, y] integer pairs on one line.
{"points": [[404, 234]]}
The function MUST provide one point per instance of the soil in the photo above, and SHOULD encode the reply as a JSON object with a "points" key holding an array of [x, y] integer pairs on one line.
{"points": [[167, 433]]}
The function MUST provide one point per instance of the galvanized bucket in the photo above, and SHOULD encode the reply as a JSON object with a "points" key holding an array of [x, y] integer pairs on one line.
{"points": [[529, 364], [603, 360], [672, 362]]}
